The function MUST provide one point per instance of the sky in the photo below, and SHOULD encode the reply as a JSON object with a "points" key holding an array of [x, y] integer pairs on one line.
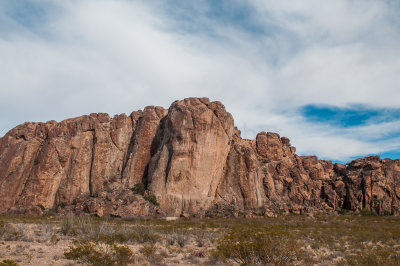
{"points": [[326, 74]]}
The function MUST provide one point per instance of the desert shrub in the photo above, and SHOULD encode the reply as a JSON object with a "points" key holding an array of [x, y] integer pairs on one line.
{"points": [[122, 254], [148, 250], [87, 225], [76, 225], [170, 240], [343, 211], [376, 255], [92, 253], [250, 245], [61, 205], [2, 228], [200, 237], [113, 238], [152, 199], [41, 207], [8, 263], [387, 213], [143, 234], [365, 212], [54, 239], [94, 229], [368, 212], [10, 232], [260, 211], [67, 226], [182, 237], [139, 188]]}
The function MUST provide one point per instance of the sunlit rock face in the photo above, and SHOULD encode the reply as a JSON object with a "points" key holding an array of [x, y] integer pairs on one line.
{"points": [[194, 142], [191, 158]]}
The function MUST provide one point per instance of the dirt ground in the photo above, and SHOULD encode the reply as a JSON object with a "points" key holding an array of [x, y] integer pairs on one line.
{"points": [[323, 240]]}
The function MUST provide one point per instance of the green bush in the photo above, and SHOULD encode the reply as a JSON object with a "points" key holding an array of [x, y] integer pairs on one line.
{"points": [[253, 245], [2, 228], [62, 205], [365, 212], [139, 188], [152, 199], [368, 212], [387, 213], [113, 238], [8, 263], [92, 253], [41, 207], [54, 239]]}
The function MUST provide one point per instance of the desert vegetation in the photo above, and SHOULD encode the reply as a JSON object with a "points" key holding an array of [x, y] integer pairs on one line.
{"points": [[285, 240]]}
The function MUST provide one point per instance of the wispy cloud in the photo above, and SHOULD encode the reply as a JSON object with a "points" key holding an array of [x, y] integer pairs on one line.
{"points": [[268, 61]]}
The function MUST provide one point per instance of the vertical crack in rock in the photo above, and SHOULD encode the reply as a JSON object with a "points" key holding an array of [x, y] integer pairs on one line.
{"points": [[113, 141], [168, 168], [371, 193], [92, 162], [58, 155], [142, 145], [129, 150], [128, 153], [364, 192]]}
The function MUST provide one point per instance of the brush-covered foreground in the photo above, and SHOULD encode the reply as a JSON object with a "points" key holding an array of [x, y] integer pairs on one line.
{"points": [[285, 240]]}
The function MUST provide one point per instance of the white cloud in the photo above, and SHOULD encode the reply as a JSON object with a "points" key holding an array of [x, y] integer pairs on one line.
{"points": [[342, 75], [119, 56]]}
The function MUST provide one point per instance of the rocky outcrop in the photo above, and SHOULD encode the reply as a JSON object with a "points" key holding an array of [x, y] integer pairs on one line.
{"points": [[142, 145], [188, 165], [55, 163], [187, 160]]}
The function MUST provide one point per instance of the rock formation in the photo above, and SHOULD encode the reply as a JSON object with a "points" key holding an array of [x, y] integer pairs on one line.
{"points": [[190, 159]]}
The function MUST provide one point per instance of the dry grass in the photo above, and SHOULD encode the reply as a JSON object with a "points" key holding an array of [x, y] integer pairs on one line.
{"points": [[285, 240]]}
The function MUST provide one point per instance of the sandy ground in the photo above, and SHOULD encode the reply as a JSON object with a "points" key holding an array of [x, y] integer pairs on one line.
{"points": [[334, 240], [44, 244], [34, 253]]}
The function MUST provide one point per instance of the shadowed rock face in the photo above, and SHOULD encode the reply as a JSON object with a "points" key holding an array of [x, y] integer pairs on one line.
{"points": [[191, 157]]}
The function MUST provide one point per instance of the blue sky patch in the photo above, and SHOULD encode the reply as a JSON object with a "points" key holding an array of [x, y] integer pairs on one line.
{"points": [[205, 15], [29, 15], [384, 155], [349, 116], [390, 154]]}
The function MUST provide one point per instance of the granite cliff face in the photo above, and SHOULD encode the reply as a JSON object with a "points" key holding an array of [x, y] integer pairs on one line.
{"points": [[190, 157]]}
